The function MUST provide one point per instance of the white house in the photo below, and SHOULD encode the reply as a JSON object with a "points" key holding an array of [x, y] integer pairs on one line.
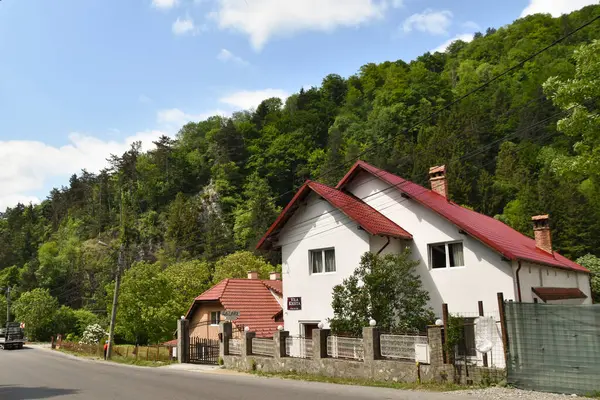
{"points": [[465, 257]]}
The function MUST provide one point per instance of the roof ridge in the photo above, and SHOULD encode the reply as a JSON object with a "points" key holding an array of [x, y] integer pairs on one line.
{"points": [[520, 249], [224, 288]]}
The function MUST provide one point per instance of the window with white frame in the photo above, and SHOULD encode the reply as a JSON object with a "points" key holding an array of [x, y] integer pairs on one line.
{"points": [[446, 255], [215, 317], [322, 260]]}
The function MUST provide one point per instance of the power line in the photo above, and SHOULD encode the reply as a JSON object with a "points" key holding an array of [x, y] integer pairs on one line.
{"points": [[342, 222], [471, 92], [467, 156]]}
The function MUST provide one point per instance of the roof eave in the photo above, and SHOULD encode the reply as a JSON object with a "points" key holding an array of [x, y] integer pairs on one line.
{"points": [[556, 265], [261, 245]]}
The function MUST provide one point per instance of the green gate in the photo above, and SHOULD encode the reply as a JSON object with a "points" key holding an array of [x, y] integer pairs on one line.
{"points": [[554, 348]]}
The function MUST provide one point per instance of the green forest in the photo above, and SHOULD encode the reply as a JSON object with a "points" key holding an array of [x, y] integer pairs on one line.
{"points": [[189, 212]]}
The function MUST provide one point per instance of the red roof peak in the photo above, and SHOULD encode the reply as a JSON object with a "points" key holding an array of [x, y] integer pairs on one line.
{"points": [[355, 209], [492, 232]]}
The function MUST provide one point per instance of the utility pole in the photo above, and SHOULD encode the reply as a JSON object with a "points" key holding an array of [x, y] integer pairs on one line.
{"points": [[113, 314], [8, 304]]}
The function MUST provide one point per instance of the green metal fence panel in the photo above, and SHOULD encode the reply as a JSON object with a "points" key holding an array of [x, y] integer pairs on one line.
{"points": [[554, 348]]}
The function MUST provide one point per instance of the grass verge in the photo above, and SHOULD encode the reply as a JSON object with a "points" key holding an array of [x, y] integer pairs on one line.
{"points": [[119, 360], [429, 386]]}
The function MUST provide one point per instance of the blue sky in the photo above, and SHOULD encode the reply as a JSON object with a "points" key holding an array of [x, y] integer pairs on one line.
{"points": [[82, 79]]}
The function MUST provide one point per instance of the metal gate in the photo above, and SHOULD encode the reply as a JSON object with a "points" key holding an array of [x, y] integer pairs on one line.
{"points": [[203, 351], [553, 348]]}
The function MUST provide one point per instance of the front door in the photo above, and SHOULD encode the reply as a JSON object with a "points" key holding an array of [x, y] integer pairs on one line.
{"points": [[308, 328]]}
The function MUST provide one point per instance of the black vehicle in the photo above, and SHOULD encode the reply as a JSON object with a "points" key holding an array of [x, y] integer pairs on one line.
{"points": [[12, 336]]}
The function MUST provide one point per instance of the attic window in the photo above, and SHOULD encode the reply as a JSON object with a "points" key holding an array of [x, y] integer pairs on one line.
{"points": [[446, 255], [322, 261]]}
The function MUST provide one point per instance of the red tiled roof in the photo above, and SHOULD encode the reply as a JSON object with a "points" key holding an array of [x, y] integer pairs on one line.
{"points": [[252, 298], [551, 293], [366, 216], [497, 235], [275, 285], [171, 343]]}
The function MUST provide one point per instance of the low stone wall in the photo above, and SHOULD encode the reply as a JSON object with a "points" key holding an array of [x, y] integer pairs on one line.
{"points": [[374, 367], [377, 370]]}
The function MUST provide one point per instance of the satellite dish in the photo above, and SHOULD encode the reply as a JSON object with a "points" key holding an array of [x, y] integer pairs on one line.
{"points": [[486, 333]]}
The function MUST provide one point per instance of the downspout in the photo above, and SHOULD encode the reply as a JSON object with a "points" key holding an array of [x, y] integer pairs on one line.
{"points": [[384, 246], [518, 281]]}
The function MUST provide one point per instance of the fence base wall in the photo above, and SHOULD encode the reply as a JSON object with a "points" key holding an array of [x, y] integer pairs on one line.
{"points": [[378, 370], [373, 367]]}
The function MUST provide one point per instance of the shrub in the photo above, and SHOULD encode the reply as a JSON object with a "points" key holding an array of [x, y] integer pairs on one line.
{"points": [[93, 334]]}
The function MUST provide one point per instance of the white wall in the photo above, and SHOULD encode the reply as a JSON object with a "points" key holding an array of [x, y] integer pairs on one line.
{"points": [[484, 273], [534, 275], [317, 225]]}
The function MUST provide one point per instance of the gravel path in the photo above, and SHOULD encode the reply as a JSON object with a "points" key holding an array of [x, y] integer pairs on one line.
{"points": [[498, 393]]}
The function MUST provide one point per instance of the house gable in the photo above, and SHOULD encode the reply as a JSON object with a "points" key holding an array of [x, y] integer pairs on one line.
{"points": [[485, 272], [503, 239], [316, 224]]}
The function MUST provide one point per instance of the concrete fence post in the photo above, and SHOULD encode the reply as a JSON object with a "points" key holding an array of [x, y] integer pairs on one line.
{"points": [[279, 338], [436, 345], [371, 344], [225, 333], [247, 343], [319, 337], [183, 340]]}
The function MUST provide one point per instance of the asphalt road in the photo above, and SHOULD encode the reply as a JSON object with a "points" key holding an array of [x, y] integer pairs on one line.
{"points": [[42, 374]]}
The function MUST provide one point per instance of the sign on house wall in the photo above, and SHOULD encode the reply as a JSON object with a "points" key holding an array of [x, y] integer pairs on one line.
{"points": [[230, 315], [294, 303]]}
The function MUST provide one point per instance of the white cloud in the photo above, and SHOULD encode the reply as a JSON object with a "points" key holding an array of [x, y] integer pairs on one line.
{"points": [[555, 7], [247, 99], [397, 3], [465, 37], [433, 22], [164, 4], [178, 118], [27, 167], [471, 25], [227, 56], [183, 26], [263, 19]]}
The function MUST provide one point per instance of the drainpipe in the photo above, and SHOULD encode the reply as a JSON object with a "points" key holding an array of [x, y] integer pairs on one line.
{"points": [[384, 246], [518, 281]]}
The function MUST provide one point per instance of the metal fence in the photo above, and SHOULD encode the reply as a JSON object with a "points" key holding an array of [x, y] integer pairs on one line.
{"points": [[554, 348], [345, 347], [263, 347], [467, 352], [298, 346], [235, 347], [400, 346]]}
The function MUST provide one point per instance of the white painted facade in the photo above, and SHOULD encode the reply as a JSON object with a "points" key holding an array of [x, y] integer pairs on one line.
{"points": [[533, 275], [318, 225]]}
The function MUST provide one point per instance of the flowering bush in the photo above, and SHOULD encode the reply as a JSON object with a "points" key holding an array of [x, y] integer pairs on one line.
{"points": [[93, 334]]}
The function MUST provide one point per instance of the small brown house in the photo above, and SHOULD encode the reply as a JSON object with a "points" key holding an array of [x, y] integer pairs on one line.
{"points": [[258, 301]]}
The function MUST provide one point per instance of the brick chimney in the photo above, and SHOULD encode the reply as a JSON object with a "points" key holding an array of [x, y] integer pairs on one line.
{"points": [[541, 230], [252, 275], [275, 276], [437, 177]]}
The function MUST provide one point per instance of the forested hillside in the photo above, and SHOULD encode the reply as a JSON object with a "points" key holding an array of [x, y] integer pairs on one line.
{"points": [[213, 190]]}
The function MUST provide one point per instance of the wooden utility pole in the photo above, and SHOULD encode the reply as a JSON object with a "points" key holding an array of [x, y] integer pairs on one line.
{"points": [[113, 314], [8, 304]]}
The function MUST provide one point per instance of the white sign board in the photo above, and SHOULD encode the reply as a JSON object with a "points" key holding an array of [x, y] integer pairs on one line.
{"points": [[230, 315]]}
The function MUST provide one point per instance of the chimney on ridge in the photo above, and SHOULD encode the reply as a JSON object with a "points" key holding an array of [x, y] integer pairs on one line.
{"points": [[437, 177], [275, 276], [541, 230], [252, 275]]}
